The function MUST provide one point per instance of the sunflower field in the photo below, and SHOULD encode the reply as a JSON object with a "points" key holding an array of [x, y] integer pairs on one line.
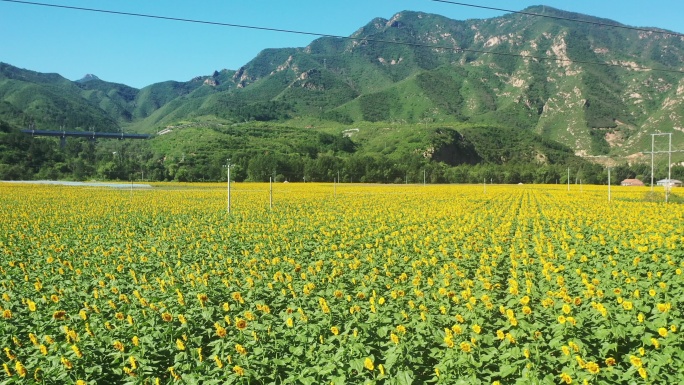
{"points": [[352, 284]]}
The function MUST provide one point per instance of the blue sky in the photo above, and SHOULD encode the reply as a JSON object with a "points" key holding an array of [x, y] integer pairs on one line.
{"points": [[139, 52]]}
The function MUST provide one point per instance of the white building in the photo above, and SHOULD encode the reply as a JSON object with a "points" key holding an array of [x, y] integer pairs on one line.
{"points": [[669, 183]]}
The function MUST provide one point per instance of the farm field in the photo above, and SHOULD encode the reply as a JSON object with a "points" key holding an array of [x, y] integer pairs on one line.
{"points": [[358, 284]]}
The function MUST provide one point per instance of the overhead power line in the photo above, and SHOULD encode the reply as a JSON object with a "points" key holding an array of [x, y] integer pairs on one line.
{"points": [[560, 18], [166, 18], [367, 39]]}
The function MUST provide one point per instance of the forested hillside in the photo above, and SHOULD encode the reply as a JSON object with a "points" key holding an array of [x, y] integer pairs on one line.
{"points": [[518, 91]]}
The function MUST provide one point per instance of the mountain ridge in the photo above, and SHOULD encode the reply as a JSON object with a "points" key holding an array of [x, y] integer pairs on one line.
{"points": [[87, 77], [493, 73]]}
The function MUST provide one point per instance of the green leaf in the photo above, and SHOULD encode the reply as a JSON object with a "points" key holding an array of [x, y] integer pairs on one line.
{"points": [[296, 350], [307, 380], [602, 334], [382, 331], [608, 347], [404, 378], [357, 365], [638, 330], [506, 370], [556, 342], [391, 357], [326, 369]]}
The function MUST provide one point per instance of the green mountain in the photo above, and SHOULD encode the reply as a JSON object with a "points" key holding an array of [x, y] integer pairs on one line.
{"points": [[497, 78], [49, 101], [117, 100], [516, 88]]}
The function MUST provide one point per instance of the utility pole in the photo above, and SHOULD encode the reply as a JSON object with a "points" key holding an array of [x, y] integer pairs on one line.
{"points": [[669, 170], [270, 193], [142, 170], [608, 184], [669, 158], [652, 153], [228, 186], [423, 177], [568, 179]]}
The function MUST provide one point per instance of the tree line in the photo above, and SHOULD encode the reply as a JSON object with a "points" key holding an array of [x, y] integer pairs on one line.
{"points": [[25, 158]]}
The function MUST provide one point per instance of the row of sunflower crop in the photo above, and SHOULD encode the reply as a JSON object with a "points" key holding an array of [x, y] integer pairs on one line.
{"points": [[362, 284]]}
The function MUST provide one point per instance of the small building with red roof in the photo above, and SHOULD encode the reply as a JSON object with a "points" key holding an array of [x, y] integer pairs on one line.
{"points": [[631, 182]]}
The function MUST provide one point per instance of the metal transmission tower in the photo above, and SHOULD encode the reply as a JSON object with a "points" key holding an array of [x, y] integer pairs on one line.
{"points": [[669, 152]]}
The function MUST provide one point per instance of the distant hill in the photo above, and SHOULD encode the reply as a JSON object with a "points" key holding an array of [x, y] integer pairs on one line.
{"points": [[519, 78], [49, 101]]}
